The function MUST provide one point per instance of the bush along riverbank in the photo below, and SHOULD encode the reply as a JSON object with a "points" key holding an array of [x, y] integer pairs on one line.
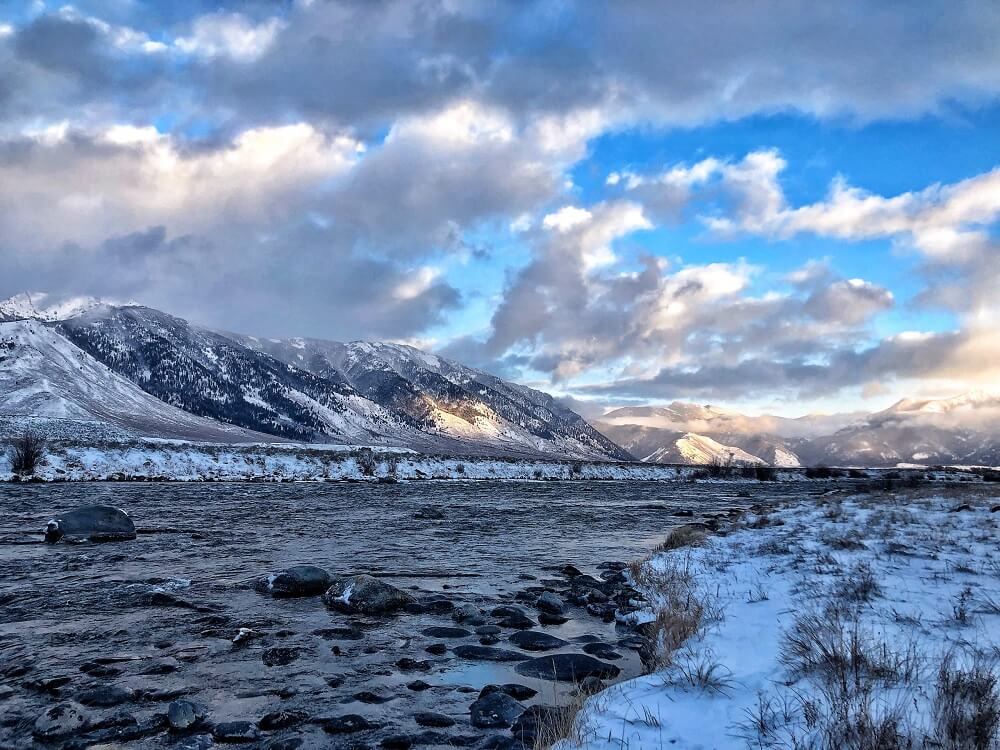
{"points": [[849, 621]]}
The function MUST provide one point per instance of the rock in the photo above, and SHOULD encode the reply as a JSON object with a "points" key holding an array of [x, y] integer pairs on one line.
{"points": [[418, 686], [235, 731], [612, 565], [517, 622], [488, 630], [515, 691], [960, 508], [549, 619], [489, 640], [444, 632], [346, 724], [466, 613], [571, 571], [92, 523], [601, 651], [96, 669], [60, 721], [352, 633], [397, 742], [549, 602], [429, 513], [279, 656], [105, 696], [437, 649], [995, 509], [533, 640], [566, 668], [432, 719], [495, 711], [507, 610], [182, 715], [166, 665], [366, 595], [367, 696], [288, 743], [282, 719], [299, 580], [407, 664], [486, 653]]}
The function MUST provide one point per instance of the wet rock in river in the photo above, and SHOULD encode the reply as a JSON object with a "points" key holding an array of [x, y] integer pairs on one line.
{"points": [[183, 715], [517, 622], [546, 618], [366, 595], [299, 580], [61, 721], [488, 630], [93, 523], [105, 695], [407, 664], [446, 632], [571, 571], [437, 649], [566, 668], [373, 699], [602, 651], [549, 602], [467, 613], [515, 691], [235, 731], [282, 719], [279, 656], [346, 724], [533, 640], [433, 719], [495, 711], [429, 513], [486, 653], [418, 686]]}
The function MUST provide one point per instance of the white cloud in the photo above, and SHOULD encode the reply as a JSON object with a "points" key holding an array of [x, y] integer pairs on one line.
{"points": [[230, 35]]}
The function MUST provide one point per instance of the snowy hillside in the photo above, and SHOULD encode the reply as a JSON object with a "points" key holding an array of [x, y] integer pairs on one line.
{"points": [[304, 390], [446, 399], [48, 384]]}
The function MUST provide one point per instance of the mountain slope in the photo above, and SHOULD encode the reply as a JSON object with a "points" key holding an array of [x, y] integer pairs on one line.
{"points": [[446, 399], [360, 393], [45, 377]]}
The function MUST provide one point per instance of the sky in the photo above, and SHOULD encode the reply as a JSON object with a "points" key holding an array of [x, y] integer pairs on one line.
{"points": [[777, 206]]}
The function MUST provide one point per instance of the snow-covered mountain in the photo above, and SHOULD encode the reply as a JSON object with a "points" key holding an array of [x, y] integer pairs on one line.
{"points": [[308, 390], [964, 429], [446, 399], [46, 380]]}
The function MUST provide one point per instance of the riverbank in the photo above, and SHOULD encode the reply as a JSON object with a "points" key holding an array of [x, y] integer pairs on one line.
{"points": [[159, 460], [852, 620]]}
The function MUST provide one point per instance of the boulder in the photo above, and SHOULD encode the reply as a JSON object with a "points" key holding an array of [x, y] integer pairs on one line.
{"points": [[299, 580], [61, 721], [235, 731], [533, 640], [90, 523], [446, 632], [182, 715], [495, 711], [515, 691], [549, 602], [365, 594], [433, 719], [566, 668]]}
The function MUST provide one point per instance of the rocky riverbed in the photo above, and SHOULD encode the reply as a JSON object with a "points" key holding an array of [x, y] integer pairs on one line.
{"points": [[432, 616]]}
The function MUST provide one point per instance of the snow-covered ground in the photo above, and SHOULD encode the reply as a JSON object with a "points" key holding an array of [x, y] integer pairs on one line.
{"points": [[854, 621], [94, 455]]}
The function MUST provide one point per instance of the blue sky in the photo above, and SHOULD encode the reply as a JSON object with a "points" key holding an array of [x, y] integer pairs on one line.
{"points": [[765, 206]]}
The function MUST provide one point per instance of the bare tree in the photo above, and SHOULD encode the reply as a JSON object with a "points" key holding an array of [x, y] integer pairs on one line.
{"points": [[29, 449], [367, 461]]}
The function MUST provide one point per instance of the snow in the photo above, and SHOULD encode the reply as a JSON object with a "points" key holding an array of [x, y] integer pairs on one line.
{"points": [[938, 591], [699, 449]]}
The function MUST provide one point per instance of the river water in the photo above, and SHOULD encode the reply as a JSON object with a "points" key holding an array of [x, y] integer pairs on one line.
{"points": [[72, 617]]}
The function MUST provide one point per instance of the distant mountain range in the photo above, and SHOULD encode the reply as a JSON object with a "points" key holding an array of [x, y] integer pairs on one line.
{"points": [[139, 371], [82, 368], [960, 430]]}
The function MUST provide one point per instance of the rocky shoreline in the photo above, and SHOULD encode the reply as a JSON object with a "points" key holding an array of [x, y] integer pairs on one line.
{"points": [[541, 635]]}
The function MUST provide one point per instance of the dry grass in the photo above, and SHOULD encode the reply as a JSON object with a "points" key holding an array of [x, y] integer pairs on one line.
{"points": [[966, 705], [683, 536]]}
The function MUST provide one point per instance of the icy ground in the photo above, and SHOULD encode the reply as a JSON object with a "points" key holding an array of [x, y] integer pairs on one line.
{"points": [[848, 621]]}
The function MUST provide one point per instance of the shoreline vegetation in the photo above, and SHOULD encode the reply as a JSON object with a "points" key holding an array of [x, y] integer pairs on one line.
{"points": [[161, 460], [859, 619]]}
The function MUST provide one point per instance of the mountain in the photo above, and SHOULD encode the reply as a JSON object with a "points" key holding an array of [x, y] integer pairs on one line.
{"points": [[316, 391], [446, 399], [964, 429], [46, 380]]}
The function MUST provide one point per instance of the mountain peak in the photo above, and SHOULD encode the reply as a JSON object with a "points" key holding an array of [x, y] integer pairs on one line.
{"points": [[51, 308]]}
